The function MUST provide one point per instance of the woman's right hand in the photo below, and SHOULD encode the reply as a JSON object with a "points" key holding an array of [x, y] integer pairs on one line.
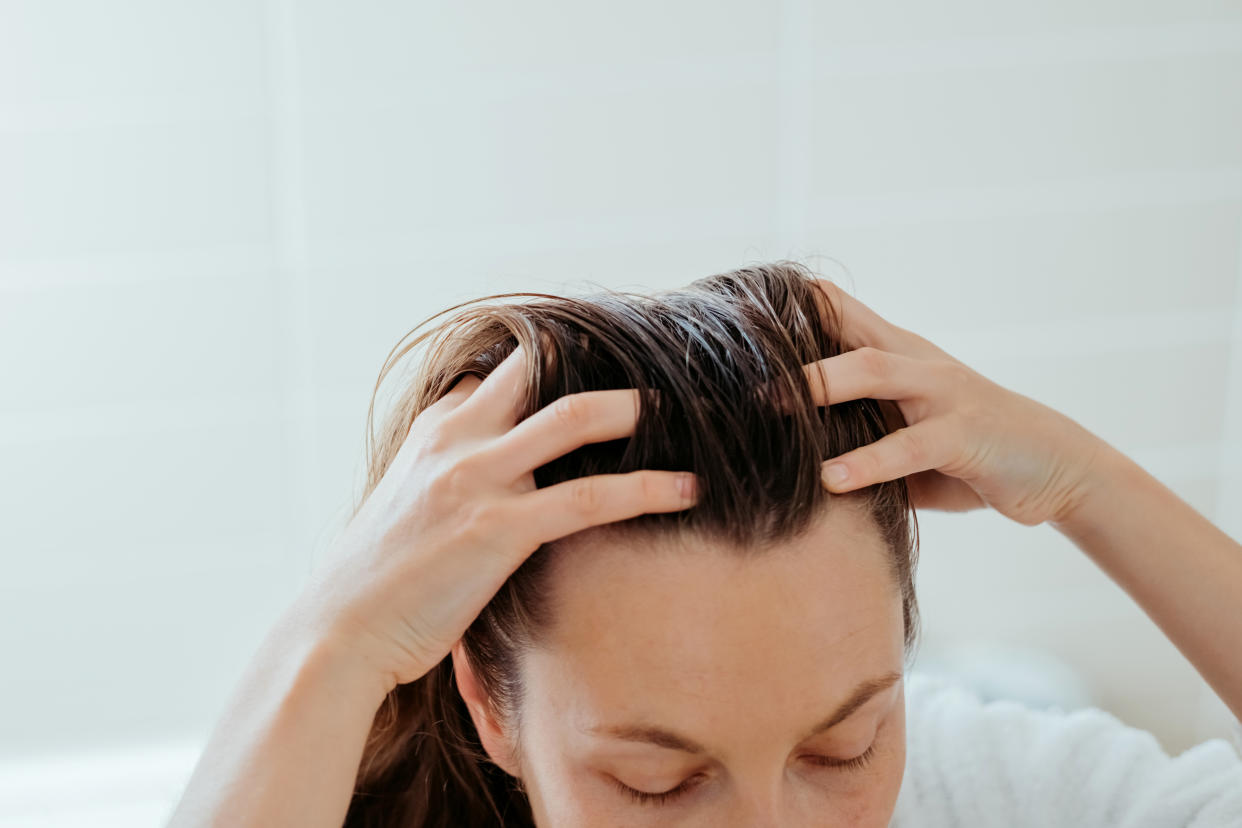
{"points": [[457, 511]]}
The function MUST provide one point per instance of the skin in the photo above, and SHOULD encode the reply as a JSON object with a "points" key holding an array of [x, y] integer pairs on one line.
{"points": [[456, 512], [743, 655], [971, 443]]}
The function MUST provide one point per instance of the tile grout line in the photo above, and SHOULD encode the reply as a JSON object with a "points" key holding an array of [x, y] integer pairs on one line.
{"points": [[1228, 516], [295, 367]]}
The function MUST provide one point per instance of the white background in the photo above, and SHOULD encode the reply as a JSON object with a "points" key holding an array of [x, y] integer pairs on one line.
{"points": [[217, 217]]}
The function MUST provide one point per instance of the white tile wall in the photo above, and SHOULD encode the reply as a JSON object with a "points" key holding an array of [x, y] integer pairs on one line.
{"points": [[216, 219]]}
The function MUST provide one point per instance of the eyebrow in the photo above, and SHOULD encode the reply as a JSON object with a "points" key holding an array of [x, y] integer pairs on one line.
{"points": [[675, 741]]}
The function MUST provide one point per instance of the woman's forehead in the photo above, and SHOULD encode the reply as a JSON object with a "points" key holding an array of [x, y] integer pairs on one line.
{"points": [[680, 615]]}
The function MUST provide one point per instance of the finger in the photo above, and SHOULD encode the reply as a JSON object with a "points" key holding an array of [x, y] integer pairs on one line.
{"points": [[560, 510], [556, 429], [460, 392], [859, 325], [447, 403], [927, 445], [496, 400], [868, 373]]}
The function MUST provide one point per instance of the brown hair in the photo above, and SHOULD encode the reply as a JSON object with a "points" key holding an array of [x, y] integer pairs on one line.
{"points": [[718, 365]]}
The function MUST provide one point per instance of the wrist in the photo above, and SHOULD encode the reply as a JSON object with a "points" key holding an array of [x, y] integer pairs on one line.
{"points": [[288, 748], [328, 655], [1107, 471]]}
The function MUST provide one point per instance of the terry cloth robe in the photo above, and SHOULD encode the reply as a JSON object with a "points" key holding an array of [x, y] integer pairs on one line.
{"points": [[971, 763]]}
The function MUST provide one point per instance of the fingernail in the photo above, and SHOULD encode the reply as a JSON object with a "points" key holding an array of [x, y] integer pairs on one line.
{"points": [[688, 486], [836, 474]]}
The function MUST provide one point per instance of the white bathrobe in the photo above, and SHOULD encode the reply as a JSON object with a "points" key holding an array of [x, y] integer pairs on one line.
{"points": [[999, 763]]}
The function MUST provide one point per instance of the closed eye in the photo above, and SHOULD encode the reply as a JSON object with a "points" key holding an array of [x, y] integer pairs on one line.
{"points": [[856, 763], [663, 797], [647, 798]]}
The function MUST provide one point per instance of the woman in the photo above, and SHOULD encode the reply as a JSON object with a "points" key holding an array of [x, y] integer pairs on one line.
{"points": [[633, 560]]}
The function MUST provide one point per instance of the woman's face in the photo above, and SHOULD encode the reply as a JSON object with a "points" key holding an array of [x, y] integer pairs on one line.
{"points": [[723, 689]]}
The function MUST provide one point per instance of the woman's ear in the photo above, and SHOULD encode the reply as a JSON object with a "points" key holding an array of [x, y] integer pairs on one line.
{"points": [[491, 730]]}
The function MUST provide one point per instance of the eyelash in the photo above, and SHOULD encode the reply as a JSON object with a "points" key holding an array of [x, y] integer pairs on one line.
{"points": [[657, 798], [857, 763]]}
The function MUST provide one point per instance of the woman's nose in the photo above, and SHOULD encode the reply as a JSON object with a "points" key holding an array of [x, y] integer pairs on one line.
{"points": [[759, 805]]}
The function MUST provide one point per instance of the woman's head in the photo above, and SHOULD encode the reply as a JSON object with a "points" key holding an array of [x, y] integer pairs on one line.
{"points": [[709, 647]]}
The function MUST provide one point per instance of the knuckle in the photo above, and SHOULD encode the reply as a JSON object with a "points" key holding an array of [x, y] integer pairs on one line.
{"points": [[571, 411], [437, 436], [875, 361], [457, 479], [914, 447], [968, 414], [478, 524], [971, 414], [959, 375], [467, 533], [960, 423], [485, 516], [585, 495], [437, 430]]}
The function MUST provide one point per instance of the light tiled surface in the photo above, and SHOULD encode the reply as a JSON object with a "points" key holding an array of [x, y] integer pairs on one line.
{"points": [[216, 219]]}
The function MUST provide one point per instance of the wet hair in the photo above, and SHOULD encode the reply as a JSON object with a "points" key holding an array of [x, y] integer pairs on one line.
{"points": [[718, 366]]}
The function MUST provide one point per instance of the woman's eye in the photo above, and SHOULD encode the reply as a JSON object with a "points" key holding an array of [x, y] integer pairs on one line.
{"points": [[663, 797], [857, 762], [657, 798]]}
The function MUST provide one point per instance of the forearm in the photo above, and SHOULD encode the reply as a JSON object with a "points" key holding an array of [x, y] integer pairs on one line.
{"points": [[287, 750], [1183, 571]]}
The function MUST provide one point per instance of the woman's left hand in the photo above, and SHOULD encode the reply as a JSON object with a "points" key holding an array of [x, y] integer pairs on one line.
{"points": [[969, 442]]}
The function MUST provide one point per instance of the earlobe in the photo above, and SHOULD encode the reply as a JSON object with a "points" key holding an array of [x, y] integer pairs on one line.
{"points": [[490, 729]]}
